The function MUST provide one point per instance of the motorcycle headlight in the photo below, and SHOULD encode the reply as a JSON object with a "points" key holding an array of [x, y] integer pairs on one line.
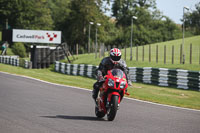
{"points": [[122, 85], [110, 83]]}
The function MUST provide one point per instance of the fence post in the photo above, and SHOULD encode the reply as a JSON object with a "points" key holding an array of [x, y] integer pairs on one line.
{"points": [[76, 49], [137, 53], [100, 53], [109, 48], [143, 53], [165, 54], [190, 53], [96, 50], [103, 50], [172, 54], [92, 47], [156, 53], [181, 54], [199, 54], [149, 53]]}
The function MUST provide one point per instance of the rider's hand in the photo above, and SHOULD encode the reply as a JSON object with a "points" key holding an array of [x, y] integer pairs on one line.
{"points": [[100, 78]]}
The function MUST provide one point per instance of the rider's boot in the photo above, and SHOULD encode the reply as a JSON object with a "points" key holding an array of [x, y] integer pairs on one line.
{"points": [[94, 96], [95, 102]]}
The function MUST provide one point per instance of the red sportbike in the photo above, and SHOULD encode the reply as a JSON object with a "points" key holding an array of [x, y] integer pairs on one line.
{"points": [[111, 94]]}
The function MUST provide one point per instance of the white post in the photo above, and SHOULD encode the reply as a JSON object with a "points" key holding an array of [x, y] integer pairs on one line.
{"points": [[133, 17], [98, 24], [91, 23], [183, 56]]}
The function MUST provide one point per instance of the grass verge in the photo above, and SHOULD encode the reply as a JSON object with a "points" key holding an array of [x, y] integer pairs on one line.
{"points": [[163, 95]]}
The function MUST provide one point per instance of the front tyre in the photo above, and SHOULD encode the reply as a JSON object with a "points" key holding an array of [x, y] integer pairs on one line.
{"points": [[112, 110]]}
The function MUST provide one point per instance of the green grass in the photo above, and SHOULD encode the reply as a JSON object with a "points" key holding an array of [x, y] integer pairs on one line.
{"points": [[9, 51], [176, 43], [47, 75], [90, 58], [163, 95]]}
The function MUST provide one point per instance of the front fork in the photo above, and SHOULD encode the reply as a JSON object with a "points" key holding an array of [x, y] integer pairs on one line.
{"points": [[110, 96]]}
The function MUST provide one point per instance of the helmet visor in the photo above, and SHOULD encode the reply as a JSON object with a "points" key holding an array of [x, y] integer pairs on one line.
{"points": [[115, 58]]}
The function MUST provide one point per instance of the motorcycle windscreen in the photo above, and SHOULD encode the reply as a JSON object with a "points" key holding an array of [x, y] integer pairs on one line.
{"points": [[117, 73]]}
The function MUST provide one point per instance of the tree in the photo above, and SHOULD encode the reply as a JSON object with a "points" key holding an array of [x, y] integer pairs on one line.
{"points": [[123, 10], [72, 17], [8, 13], [192, 20], [34, 14], [31, 14], [82, 12], [60, 10]]}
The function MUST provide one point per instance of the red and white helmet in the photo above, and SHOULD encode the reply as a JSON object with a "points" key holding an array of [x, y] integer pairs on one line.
{"points": [[115, 55]]}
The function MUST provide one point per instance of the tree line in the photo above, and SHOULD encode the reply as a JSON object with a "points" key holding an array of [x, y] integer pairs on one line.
{"points": [[73, 18]]}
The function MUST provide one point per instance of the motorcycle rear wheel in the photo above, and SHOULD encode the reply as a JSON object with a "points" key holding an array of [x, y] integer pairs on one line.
{"points": [[112, 110], [98, 113]]}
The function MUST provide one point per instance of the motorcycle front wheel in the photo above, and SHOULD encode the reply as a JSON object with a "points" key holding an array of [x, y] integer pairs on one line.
{"points": [[112, 110]]}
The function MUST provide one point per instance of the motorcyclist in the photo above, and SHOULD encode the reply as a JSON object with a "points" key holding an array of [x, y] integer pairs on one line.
{"points": [[108, 63]]}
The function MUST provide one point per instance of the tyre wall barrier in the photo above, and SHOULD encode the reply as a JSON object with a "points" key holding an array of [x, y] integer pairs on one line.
{"points": [[76, 69], [178, 78], [15, 61], [44, 56]]}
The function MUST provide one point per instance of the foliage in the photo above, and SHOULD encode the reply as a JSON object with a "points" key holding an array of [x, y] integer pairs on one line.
{"points": [[149, 27], [82, 12], [23, 14], [72, 17], [123, 10], [192, 20], [59, 12], [9, 51], [19, 49]]}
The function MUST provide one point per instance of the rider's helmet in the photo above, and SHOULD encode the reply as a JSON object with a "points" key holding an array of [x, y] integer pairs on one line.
{"points": [[115, 55]]}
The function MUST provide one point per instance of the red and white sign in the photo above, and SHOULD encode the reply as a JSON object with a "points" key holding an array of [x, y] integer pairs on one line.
{"points": [[36, 36]]}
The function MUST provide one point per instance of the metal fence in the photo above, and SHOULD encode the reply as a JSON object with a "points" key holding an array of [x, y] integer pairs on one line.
{"points": [[177, 78], [166, 54]]}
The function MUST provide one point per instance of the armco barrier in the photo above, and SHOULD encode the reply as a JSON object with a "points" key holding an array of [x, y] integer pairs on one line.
{"points": [[15, 61], [177, 78]]}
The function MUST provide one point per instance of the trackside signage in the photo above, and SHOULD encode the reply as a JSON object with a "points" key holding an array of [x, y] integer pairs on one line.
{"points": [[36, 36]]}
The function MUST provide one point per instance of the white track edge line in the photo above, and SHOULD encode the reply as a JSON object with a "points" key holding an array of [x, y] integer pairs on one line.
{"points": [[170, 106]]}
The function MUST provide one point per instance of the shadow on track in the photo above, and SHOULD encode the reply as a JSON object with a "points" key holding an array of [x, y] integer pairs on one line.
{"points": [[89, 118]]}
